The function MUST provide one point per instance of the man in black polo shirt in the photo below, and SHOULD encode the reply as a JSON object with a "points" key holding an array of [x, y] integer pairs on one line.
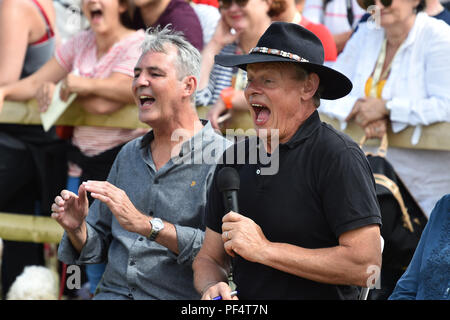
{"points": [[312, 229]]}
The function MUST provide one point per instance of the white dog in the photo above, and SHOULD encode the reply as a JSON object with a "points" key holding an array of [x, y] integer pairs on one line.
{"points": [[34, 283]]}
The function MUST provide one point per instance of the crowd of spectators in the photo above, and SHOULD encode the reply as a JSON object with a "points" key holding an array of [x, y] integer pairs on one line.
{"points": [[400, 70]]}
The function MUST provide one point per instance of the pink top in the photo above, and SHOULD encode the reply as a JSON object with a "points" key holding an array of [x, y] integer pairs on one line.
{"points": [[79, 55]]}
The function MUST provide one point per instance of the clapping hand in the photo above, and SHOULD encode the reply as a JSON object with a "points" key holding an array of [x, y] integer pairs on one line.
{"points": [[70, 210], [120, 205]]}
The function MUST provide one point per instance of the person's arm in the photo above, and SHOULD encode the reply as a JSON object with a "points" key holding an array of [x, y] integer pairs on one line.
{"points": [[211, 268], [408, 284], [348, 263], [435, 107], [96, 95], [183, 241], [208, 53], [222, 37], [28, 87], [341, 40], [70, 211], [238, 102], [14, 34], [130, 218], [98, 105], [116, 87]]}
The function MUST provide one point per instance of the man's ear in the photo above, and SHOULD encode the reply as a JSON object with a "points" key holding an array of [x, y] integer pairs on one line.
{"points": [[189, 85], [311, 84]]}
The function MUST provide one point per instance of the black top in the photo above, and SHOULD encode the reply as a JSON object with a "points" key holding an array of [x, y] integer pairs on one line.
{"points": [[323, 188]]}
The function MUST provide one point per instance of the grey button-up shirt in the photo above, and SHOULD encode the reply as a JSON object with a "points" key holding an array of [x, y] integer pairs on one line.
{"points": [[136, 267]]}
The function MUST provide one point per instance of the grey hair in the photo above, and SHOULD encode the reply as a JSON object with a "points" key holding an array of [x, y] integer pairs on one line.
{"points": [[188, 58], [302, 74]]}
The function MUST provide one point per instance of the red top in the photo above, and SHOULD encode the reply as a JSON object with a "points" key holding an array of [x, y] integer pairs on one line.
{"points": [[214, 3], [322, 32]]}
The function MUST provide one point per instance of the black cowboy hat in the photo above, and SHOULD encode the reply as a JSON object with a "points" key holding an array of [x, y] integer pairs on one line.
{"points": [[290, 42]]}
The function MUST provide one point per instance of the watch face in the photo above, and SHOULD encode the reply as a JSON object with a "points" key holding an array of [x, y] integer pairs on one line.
{"points": [[157, 224]]}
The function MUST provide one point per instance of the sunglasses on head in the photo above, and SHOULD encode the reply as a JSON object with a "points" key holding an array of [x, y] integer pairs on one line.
{"points": [[225, 4], [368, 3]]}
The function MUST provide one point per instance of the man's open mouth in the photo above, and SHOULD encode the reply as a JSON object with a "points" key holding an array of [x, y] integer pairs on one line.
{"points": [[146, 100], [262, 113]]}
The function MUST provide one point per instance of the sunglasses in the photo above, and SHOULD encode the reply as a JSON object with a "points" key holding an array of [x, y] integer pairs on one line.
{"points": [[368, 3], [226, 4]]}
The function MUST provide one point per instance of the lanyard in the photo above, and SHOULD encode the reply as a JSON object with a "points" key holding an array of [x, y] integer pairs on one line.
{"points": [[377, 76]]}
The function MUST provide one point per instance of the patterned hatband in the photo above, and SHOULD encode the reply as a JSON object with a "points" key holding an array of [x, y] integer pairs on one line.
{"points": [[277, 52]]}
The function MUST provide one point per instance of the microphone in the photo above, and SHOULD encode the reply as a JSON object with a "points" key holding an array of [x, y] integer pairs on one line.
{"points": [[228, 182]]}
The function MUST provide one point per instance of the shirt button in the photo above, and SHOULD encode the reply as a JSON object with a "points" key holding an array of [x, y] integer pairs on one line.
{"points": [[130, 295], [141, 239], [132, 263], [258, 171]]}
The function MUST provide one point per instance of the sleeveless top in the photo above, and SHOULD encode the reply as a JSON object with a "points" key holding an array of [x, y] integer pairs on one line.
{"points": [[37, 54]]}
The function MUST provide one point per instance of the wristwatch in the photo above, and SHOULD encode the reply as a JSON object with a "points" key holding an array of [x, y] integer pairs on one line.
{"points": [[157, 225]]}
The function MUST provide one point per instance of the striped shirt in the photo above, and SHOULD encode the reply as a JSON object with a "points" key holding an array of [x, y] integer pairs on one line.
{"points": [[219, 79], [79, 54], [334, 16]]}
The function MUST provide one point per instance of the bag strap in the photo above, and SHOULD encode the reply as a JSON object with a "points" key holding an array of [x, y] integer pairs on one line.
{"points": [[393, 188], [382, 149]]}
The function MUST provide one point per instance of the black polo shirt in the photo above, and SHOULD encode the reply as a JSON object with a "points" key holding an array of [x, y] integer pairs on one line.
{"points": [[323, 188]]}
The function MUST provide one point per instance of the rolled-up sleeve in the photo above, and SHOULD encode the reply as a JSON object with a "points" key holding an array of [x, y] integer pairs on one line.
{"points": [[189, 243]]}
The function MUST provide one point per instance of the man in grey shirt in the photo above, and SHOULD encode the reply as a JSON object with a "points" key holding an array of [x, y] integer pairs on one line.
{"points": [[147, 219]]}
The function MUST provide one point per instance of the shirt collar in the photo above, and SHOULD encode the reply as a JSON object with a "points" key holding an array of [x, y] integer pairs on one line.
{"points": [[206, 130], [413, 33], [305, 130]]}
